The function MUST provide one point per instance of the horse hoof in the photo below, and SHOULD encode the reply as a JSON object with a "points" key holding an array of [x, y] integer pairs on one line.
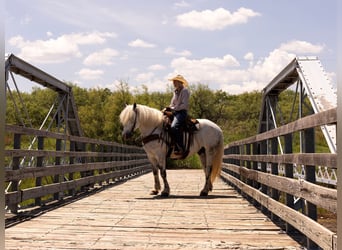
{"points": [[154, 192], [203, 193], [164, 194]]}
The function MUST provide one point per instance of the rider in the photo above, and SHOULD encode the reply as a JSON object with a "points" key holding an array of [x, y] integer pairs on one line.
{"points": [[179, 107]]}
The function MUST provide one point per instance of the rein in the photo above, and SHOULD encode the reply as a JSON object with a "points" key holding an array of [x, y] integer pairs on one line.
{"points": [[151, 137]]}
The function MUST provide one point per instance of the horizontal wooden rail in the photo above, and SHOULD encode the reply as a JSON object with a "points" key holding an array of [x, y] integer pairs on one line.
{"points": [[321, 159], [322, 196], [50, 153], [252, 166], [35, 192], [14, 129]]}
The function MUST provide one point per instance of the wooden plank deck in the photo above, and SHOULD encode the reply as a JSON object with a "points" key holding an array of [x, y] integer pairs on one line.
{"points": [[127, 217]]}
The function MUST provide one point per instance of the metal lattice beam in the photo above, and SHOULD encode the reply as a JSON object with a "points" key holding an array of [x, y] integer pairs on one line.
{"points": [[67, 111]]}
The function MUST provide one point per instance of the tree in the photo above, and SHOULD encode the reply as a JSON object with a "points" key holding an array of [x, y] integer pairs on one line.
{"points": [[112, 109], [92, 114]]}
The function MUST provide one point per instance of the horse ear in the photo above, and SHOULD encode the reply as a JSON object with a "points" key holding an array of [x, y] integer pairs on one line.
{"points": [[134, 106]]}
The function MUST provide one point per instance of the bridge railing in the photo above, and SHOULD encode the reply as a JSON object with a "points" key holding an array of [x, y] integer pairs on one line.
{"points": [[44, 166], [252, 166]]}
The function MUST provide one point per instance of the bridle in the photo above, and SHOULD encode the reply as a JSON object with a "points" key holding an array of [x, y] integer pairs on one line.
{"points": [[135, 121]]}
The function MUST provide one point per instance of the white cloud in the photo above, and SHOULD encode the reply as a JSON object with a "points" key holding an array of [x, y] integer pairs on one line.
{"points": [[102, 57], [301, 47], [25, 20], [156, 67], [206, 64], [227, 73], [151, 82], [249, 56], [172, 51], [141, 44], [90, 74], [113, 86], [144, 77], [59, 49], [215, 19], [181, 4]]}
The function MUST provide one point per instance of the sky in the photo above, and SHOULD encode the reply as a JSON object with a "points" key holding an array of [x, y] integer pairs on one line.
{"points": [[232, 45]]}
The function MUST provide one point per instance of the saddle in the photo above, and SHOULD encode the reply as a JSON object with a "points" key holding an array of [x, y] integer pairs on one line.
{"points": [[190, 127]]}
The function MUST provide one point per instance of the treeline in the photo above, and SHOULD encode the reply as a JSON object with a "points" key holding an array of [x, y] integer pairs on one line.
{"points": [[99, 109]]}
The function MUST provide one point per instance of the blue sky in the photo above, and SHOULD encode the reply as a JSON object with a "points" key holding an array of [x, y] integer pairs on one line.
{"points": [[233, 45]]}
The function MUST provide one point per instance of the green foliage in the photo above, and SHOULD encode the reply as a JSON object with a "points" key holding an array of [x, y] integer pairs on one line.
{"points": [[29, 109]]}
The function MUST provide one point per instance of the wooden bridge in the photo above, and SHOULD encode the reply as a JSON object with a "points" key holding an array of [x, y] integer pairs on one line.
{"points": [[66, 191], [116, 212], [125, 216]]}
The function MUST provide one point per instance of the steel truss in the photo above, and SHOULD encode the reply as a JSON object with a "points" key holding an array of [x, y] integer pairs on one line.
{"points": [[313, 93], [62, 116]]}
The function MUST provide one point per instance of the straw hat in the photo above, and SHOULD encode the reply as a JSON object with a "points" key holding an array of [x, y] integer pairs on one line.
{"points": [[181, 79]]}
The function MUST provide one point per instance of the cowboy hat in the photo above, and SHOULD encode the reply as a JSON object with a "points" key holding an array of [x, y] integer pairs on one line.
{"points": [[181, 79]]}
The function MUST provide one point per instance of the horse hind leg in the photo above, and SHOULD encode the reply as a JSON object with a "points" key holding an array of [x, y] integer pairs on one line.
{"points": [[208, 186], [166, 191], [156, 190]]}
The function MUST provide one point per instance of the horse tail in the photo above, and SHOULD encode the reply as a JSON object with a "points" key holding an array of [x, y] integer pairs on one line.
{"points": [[217, 160]]}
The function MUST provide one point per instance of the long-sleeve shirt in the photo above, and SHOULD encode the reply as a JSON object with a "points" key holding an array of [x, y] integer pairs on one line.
{"points": [[180, 100]]}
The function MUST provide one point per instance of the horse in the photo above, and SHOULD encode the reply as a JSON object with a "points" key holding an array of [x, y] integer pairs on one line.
{"points": [[207, 143]]}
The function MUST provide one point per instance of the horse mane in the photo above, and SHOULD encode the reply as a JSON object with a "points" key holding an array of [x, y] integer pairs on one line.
{"points": [[147, 116]]}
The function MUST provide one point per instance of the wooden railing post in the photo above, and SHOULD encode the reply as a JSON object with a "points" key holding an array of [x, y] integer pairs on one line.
{"points": [[72, 148], [289, 200], [263, 151], [40, 160], [237, 162], [248, 163], [310, 176], [256, 151], [274, 171], [93, 159], [15, 166], [58, 178]]}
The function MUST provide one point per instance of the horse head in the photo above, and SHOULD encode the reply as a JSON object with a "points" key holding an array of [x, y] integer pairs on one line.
{"points": [[128, 119]]}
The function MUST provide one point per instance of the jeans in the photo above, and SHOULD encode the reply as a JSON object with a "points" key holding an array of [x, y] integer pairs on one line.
{"points": [[176, 128]]}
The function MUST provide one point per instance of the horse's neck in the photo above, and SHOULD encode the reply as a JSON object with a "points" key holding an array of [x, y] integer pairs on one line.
{"points": [[148, 125], [147, 130]]}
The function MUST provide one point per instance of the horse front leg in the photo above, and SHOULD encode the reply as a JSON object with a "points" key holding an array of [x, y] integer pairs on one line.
{"points": [[155, 171], [166, 191]]}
